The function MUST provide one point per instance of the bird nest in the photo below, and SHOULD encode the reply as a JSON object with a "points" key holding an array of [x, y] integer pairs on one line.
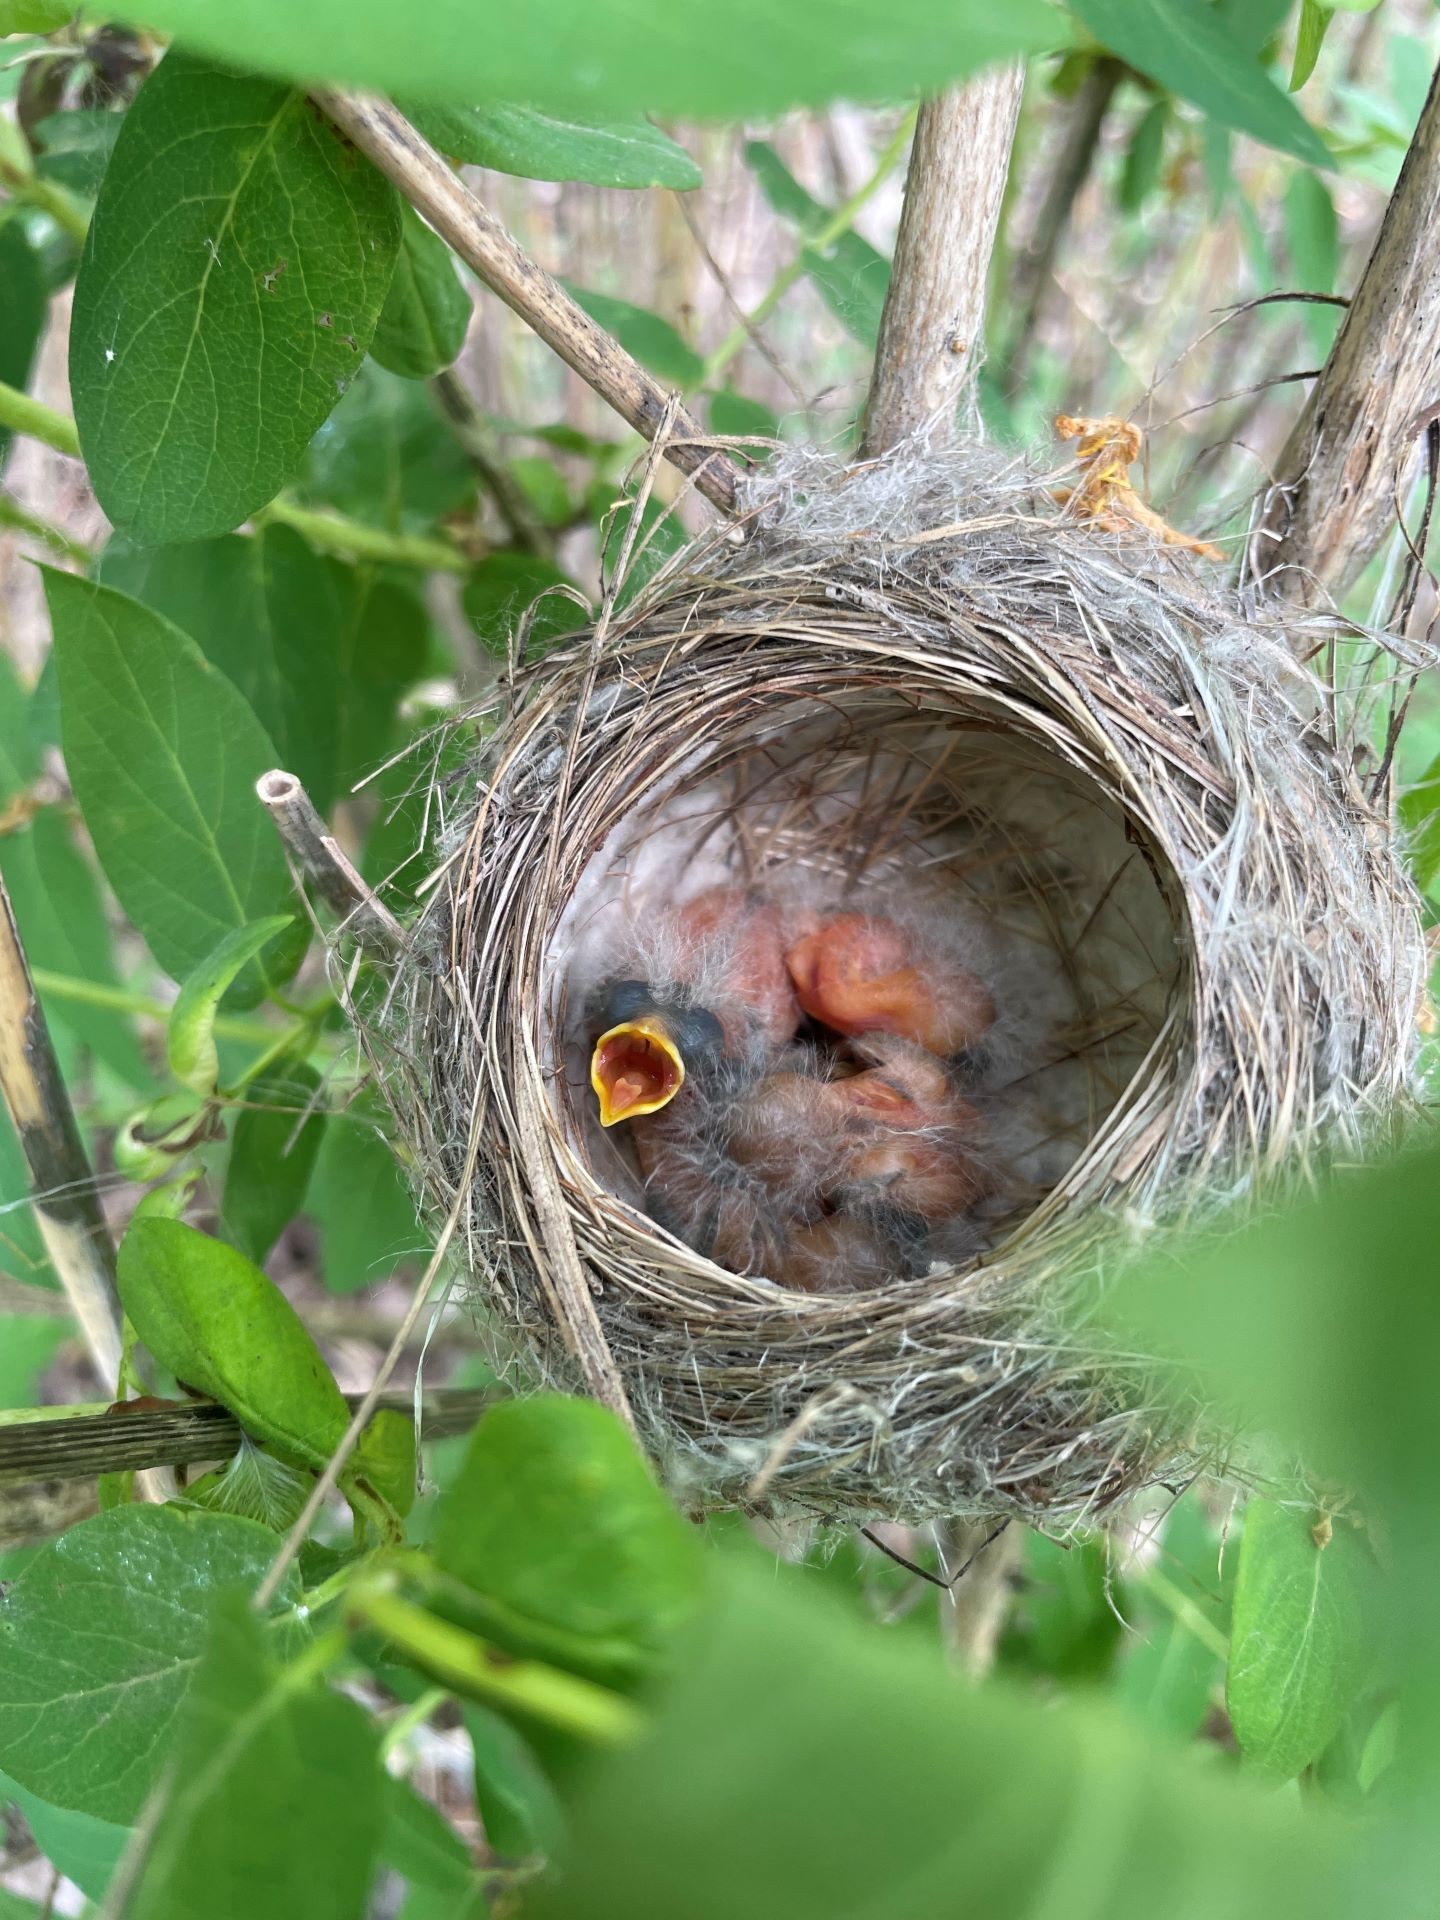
{"points": [[1141, 823]]}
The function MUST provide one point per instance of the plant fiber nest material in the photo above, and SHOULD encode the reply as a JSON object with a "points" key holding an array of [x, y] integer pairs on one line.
{"points": [[1153, 828]]}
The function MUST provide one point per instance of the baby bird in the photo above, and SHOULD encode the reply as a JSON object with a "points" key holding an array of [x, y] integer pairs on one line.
{"points": [[709, 980], [912, 1138], [862, 973]]}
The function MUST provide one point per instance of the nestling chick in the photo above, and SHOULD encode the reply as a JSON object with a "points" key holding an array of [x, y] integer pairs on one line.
{"points": [[862, 973], [912, 1139], [709, 977]]}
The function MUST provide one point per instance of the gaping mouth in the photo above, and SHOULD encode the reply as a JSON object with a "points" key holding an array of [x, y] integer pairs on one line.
{"points": [[635, 1068]]}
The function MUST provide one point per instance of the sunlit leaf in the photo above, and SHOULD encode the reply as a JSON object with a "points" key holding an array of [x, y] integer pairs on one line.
{"points": [[686, 57]]}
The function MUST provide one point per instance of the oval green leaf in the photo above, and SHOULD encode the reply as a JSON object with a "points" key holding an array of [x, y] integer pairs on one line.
{"points": [[220, 1326], [426, 312], [272, 1155], [190, 1031], [93, 1669], [555, 1524], [163, 754], [230, 284], [1302, 1639], [544, 146]]}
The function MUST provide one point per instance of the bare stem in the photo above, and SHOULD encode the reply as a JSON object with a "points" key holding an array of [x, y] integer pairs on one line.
{"points": [[321, 861], [1347, 459], [333, 533], [62, 1187], [932, 332], [472, 231]]}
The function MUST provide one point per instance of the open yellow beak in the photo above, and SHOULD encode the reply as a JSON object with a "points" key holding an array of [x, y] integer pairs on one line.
{"points": [[636, 1068]]}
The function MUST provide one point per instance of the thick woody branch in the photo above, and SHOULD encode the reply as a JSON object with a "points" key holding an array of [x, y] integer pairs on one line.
{"points": [[436, 192], [1362, 432], [62, 1187], [323, 863], [932, 333]]}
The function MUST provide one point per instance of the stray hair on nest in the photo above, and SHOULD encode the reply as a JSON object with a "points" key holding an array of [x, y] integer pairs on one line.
{"points": [[1149, 820]]}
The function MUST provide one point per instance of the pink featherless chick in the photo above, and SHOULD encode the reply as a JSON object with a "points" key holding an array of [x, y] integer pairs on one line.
{"points": [[866, 973]]}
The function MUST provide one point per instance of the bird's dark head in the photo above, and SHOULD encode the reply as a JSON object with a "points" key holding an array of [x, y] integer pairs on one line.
{"points": [[646, 1045]]}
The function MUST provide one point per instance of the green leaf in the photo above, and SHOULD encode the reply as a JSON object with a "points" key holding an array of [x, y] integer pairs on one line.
{"points": [[682, 57], [319, 649], [267, 611], [517, 1804], [850, 275], [1309, 38], [277, 1137], [1420, 819], [27, 1346], [1066, 1622], [1303, 1637], [99, 1638], [362, 1206], [1312, 239], [1251, 24], [555, 1523], [277, 1799], [420, 1843], [1172, 1665], [63, 923], [34, 16], [1144, 155], [86, 1850], [737, 413], [543, 146], [220, 1326], [653, 341], [22, 1252], [190, 1031], [1181, 45], [163, 754], [501, 589], [385, 1458], [387, 457], [24, 303], [75, 148], [790, 1726], [426, 312], [230, 283]]}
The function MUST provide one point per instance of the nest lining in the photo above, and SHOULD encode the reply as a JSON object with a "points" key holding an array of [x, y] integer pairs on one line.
{"points": [[1206, 955]]}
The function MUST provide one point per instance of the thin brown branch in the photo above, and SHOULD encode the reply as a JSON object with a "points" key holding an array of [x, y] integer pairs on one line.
{"points": [[62, 1187], [932, 332], [321, 861], [1361, 433], [472, 231], [181, 1433]]}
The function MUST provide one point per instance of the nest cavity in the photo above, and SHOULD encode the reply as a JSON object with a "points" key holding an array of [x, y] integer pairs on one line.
{"points": [[1145, 822]]}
